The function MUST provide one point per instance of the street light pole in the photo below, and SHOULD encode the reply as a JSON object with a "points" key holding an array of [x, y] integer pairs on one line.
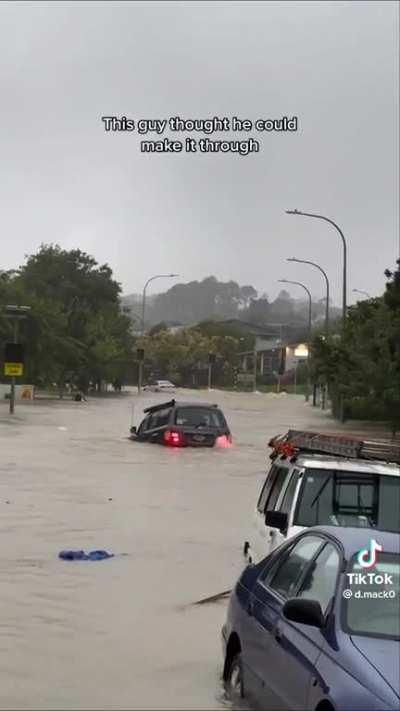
{"points": [[313, 264], [157, 276], [299, 283], [331, 222]]}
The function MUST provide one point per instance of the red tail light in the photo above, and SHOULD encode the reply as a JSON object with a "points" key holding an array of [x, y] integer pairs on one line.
{"points": [[224, 441], [174, 439]]}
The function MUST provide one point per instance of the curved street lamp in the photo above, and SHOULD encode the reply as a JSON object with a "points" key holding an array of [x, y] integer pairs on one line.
{"points": [[327, 219], [298, 283], [313, 264], [364, 293], [156, 276]]}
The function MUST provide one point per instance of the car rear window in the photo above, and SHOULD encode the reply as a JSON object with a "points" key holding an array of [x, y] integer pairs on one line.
{"points": [[344, 498], [199, 416]]}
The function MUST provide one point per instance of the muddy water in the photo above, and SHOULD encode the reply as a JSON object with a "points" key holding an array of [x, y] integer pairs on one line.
{"points": [[122, 633]]}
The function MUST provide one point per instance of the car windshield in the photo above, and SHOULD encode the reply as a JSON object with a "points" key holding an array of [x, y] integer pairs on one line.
{"points": [[372, 609], [341, 498], [199, 417]]}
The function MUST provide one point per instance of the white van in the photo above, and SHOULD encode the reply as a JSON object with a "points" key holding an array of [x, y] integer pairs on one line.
{"points": [[307, 488]]}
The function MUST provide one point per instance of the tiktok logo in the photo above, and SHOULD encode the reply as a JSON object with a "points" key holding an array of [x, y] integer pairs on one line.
{"points": [[367, 557]]}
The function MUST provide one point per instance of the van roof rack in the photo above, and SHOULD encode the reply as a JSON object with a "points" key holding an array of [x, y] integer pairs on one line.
{"points": [[351, 447]]}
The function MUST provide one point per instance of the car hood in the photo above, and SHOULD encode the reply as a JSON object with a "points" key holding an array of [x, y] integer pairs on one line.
{"points": [[384, 656]]}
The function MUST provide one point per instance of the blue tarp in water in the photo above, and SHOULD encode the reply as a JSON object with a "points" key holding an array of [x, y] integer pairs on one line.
{"points": [[81, 555]]}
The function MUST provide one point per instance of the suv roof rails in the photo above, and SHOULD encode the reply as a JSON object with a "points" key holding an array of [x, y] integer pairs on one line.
{"points": [[160, 406], [350, 447]]}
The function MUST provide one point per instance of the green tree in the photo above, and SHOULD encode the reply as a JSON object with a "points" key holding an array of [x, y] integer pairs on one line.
{"points": [[75, 328], [362, 366], [179, 356]]}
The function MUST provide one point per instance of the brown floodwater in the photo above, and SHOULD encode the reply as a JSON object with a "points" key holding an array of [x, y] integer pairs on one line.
{"points": [[123, 633]]}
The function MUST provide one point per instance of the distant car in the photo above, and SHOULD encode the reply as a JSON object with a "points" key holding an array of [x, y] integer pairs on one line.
{"points": [[182, 424], [315, 626], [159, 386]]}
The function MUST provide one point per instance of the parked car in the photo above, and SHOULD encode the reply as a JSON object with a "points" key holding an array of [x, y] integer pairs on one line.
{"points": [[305, 487], [159, 386], [304, 633], [182, 424]]}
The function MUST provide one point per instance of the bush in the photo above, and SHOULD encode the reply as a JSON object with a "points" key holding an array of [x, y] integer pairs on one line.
{"points": [[365, 408]]}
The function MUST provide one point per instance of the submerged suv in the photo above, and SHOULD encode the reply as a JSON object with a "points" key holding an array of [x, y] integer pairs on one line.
{"points": [[182, 424], [306, 487]]}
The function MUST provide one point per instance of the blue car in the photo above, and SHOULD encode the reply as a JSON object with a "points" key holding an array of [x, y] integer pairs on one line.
{"points": [[315, 626]]}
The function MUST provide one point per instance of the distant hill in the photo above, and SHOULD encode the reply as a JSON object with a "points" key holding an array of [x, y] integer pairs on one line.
{"points": [[196, 301]]}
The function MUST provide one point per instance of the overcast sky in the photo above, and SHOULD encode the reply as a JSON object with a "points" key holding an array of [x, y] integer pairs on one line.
{"points": [[64, 179]]}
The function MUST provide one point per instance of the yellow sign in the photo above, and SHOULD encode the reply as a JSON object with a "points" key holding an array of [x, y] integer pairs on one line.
{"points": [[14, 369]]}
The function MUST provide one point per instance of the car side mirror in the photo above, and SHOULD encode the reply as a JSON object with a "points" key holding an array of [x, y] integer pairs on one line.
{"points": [[133, 430], [277, 519], [307, 612]]}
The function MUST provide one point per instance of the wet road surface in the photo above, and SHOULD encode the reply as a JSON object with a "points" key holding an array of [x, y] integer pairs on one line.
{"points": [[123, 633]]}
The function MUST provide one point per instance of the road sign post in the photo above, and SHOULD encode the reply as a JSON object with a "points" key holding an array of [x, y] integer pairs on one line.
{"points": [[14, 352], [13, 364]]}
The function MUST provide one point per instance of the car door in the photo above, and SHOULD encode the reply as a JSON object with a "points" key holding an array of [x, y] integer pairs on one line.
{"points": [[273, 535], [264, 608], [143, 428], [310, 571], [157, 424], [264, 535], [287, 504]]}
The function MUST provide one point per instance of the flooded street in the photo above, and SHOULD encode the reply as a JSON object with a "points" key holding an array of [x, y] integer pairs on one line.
{"points": [[123, 633]]}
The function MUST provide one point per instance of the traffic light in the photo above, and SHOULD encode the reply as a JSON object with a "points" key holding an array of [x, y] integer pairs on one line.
{"points": [[140, 353], [212, 358]]}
